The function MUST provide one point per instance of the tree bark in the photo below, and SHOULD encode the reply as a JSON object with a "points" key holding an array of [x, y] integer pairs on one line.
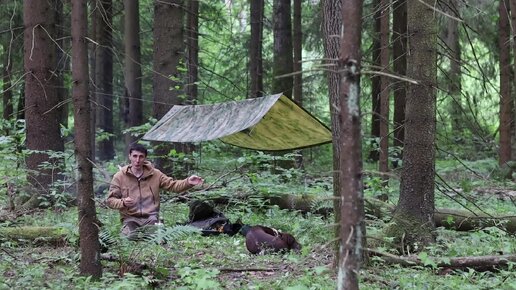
{"points": [[255, 49], [11, 43], [374, 153], [13, 50], [454, 73], [512, 103], [92, 69], [399, 56], [192, 48], [88, 226], [192, 60], [332, 22], [42, 113], [297, 45], [133, 114], [282, 66], [383, 162], [282, 54], [20, 109], [167, 80], [104, 77], [505, 84], [413, 219], [7, 96], [352, 225], [62, 60]]}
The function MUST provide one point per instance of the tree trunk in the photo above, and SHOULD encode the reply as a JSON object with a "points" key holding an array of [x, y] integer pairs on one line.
{"points": [[297, 41], [88, 225], [505, 84], [133, 72], [93, 86], [399, 56], [454, 80], [192, 60], [62, 60], [255, 49], [11, 43], [7, 95], [168, 52], [167, 57], [282, 66], [512, 35], [383, 163], [13, 50], [192, 48], [20, 108], [282, 54], [374, 153], [297, 45], [352, 225], [42, 113], [104, 77], [332, 22], [414, 216]]}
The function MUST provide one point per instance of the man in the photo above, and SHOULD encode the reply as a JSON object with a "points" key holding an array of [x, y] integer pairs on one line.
{"points": [[134, 190]]}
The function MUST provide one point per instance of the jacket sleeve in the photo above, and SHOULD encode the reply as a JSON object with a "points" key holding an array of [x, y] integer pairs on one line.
{"points": [[114, 199], [171, 184]]}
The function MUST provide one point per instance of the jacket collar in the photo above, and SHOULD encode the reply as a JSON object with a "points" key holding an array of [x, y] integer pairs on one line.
{"points": [[148, 170]]}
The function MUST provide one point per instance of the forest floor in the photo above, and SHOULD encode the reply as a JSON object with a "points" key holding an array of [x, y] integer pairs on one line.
{"points": [[187, 260], [191, 261]]}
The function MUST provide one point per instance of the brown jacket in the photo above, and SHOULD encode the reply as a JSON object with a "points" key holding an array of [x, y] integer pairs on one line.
{"points": [[145, 190]]}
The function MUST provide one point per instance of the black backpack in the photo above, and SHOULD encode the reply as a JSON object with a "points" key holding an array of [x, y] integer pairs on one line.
{"points": [[204, 216]]}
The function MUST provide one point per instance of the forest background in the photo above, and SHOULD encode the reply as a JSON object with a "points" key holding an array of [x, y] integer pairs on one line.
{"points": [[139, 58]]}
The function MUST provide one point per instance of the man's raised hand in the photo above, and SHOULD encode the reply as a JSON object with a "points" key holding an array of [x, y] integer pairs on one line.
{"points": [[195, 180]]}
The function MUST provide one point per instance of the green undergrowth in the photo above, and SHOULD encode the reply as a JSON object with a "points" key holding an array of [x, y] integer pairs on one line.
{"points": [[189, 262], [179, 258], [192, 261]]}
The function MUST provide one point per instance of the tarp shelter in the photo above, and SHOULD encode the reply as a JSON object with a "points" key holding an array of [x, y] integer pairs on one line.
{"points": [[268, 123]]}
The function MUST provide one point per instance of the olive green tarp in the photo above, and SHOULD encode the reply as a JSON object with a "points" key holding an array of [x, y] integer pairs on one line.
{"points": [[268, 123]]}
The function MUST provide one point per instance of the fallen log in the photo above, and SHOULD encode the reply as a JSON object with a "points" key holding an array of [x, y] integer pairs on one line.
{"points": [[455, 219], [475, 262], [11, 215], [44, 235], [462, 220]]}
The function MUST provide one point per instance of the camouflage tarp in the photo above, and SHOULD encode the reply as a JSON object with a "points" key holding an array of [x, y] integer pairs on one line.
{"points": [[268, 123]]}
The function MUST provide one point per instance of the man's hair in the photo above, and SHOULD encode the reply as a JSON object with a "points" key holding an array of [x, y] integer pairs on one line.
{"points": [[139, 148]]}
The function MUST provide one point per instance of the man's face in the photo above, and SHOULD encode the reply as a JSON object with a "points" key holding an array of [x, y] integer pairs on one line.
{"points": [[137, 158]]}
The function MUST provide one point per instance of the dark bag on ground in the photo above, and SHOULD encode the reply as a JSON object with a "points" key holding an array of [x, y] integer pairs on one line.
{"points": [[204, 216]]}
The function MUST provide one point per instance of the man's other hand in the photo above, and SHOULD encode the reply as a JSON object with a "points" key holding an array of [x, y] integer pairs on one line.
{"points": [[128, 202], [195, 180]]}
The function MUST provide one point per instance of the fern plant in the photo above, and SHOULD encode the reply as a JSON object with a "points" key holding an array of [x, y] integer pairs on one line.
{"points": [[159, 234]]}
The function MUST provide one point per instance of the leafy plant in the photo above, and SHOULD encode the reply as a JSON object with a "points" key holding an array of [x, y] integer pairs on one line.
{"points": [[199, 278]]}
